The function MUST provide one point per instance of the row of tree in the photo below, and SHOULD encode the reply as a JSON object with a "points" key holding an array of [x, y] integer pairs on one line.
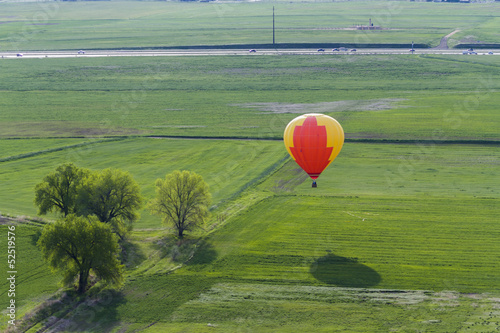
{"points": [[112, 195], [98, 209]]}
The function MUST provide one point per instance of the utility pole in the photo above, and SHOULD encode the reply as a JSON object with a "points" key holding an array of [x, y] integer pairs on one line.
{"points": [[274, 40]]}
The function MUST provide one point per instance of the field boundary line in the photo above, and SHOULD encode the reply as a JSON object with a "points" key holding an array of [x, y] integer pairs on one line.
{"points": [[427, 141], [242, 138], [236, 138], [52, 150], [348, 140]]}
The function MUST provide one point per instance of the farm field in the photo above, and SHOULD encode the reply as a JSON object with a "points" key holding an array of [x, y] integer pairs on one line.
{"points": [[98, 25], [219, 162], [395, 97], [392, 221], [401, 234]]}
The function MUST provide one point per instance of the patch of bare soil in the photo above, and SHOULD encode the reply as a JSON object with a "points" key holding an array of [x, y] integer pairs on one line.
{"points": [[5, 220], [19, 219], [63, 128], [322, 107], [43, 24]]}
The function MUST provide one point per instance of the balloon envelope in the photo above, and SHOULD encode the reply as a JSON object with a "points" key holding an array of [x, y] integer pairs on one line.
{"points": [[314, 140]]}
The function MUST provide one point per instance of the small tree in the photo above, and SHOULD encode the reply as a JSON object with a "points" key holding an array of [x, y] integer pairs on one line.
{"points": [[182, 200], [78, 246], [113, 196], [59, 190]]}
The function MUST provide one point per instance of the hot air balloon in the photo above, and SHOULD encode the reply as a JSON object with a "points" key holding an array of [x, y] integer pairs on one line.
{"points": [[313, 140]]}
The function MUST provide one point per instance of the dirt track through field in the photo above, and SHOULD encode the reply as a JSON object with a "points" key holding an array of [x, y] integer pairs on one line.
{"points": [[443, 45]]}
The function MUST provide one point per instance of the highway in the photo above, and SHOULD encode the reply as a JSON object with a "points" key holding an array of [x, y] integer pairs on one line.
{"points": [[224, 52]]}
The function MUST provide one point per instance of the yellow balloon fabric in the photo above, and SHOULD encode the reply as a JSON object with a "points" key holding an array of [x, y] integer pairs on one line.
{"points": [[314, 140]]}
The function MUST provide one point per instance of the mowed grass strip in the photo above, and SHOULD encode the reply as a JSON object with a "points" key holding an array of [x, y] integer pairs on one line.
{"points": [[180, 303], [230, 307]]}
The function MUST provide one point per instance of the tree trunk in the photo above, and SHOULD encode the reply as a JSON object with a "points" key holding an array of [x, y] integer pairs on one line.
{"points": [[82, 281]]}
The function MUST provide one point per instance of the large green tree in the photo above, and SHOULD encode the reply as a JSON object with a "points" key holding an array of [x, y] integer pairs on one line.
{"points": [[59, 190], [79, 246], [113, 196], [182, 200]]}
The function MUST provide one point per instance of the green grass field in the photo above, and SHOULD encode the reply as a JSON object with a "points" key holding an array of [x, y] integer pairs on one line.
{"points": [[391, 217], [401, 234], [35, 282], [397, 97], [228, 167], [129, 24]]}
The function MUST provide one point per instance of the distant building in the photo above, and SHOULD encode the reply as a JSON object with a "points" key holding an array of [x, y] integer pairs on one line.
{"points": [[370, 26]]}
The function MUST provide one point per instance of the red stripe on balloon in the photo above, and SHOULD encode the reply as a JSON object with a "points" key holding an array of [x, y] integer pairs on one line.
{"points": [[310, 148]]}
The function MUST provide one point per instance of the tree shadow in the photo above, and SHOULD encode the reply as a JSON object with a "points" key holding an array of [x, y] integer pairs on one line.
{"points": [[35, 237], [176, 249], [70, 312], [344, 272], [188, 250], [205, 254], [97, 310], [131, 254]]}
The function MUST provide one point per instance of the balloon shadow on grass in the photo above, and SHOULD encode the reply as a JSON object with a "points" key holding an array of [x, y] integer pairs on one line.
{"points": [[344, 272]]}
